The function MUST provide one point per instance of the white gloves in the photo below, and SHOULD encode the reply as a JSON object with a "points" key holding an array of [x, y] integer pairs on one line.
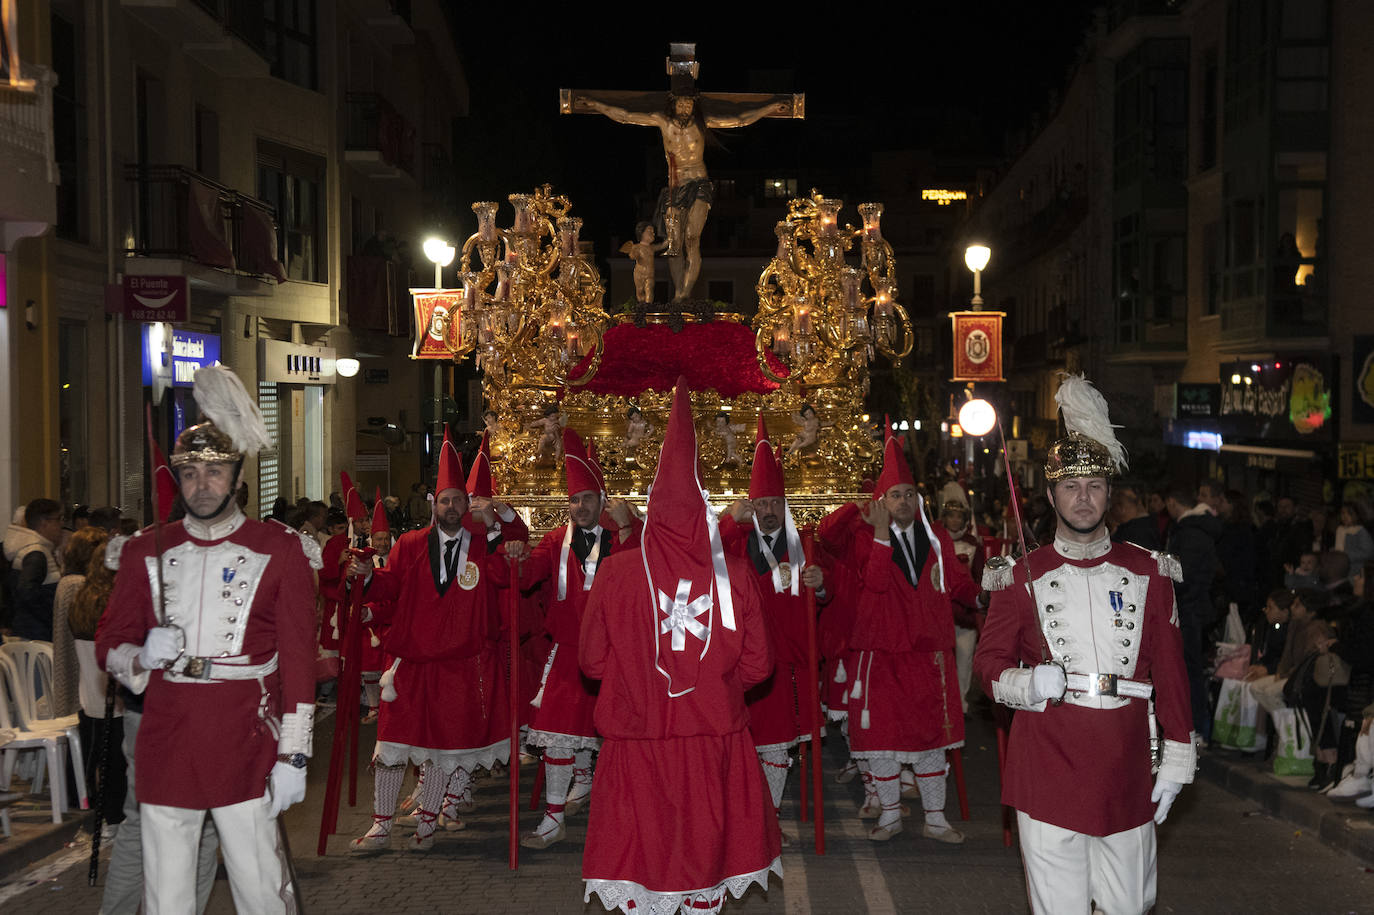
{"points": [[285, 786], [1047, 682], [1163, 797], [162, 644]]}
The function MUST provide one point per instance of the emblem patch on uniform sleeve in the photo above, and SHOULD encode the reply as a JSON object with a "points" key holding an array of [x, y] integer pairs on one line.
{"points": [[228, 574]]}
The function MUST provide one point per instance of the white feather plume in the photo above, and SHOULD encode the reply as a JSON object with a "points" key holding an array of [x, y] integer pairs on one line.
{"points": [[1085, 412], [224, 400]]}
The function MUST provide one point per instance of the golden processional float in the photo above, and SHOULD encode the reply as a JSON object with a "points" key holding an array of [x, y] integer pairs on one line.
{"points": [[530, 311]]}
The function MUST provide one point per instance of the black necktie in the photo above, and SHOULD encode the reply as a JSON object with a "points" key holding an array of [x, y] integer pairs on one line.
{"points": [[910, 557], [451, 559]]}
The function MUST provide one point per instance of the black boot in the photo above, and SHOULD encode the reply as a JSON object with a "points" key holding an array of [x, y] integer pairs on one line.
{"points": [[1321, 776]]}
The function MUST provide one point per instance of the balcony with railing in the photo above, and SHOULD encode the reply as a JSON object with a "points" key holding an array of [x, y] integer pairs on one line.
{"points": [[184, 223], [29, 195], [380, 142]]}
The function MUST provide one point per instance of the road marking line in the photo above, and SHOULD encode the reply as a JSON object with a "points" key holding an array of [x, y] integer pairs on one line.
{"points": [[877, 897], [795, 895]]}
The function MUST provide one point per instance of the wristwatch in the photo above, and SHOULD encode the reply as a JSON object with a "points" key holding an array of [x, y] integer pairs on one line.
{"points": [[297, 760]]}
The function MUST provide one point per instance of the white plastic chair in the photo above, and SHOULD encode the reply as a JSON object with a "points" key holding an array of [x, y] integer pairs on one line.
{"points": [[17, 696], [33, 659]]}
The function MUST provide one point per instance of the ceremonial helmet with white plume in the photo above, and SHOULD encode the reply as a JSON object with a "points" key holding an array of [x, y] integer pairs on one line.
{"points": [[1090, 449], [233, 425]]}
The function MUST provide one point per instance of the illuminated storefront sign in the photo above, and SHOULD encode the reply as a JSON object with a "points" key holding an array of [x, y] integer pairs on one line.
{"points": [[942, 196], [189, 352]]}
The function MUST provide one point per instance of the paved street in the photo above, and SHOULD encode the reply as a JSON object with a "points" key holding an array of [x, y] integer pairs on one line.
{"points": [[1218, 854]]}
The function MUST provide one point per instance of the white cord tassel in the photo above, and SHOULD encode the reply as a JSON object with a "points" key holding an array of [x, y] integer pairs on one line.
{"points": [[388, 682], [863, 720], [1085, 412], [223, 398], [840, 675]]}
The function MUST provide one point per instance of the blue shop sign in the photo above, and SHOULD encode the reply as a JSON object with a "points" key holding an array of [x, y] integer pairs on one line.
{"points": [[187, 354]]}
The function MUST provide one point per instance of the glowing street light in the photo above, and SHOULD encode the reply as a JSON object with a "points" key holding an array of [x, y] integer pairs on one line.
{"points": [[976, 259], [441, 253], [977, 417]]}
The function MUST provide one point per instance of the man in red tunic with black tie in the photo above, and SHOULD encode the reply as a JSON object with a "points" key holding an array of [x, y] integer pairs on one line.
{"points": [[675, 633], [761, 530], [566, 561], [1077, 640], [904, 705], [439, 698]]}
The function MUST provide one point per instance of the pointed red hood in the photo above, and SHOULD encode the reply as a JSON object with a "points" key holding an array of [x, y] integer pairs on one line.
{"points": [[684, 563], [765, 480], [379, 521], [895, 469], [353, 502], [479, 478], [450, 467], [582, 471]]}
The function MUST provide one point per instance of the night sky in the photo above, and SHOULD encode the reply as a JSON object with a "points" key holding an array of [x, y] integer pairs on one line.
{"points": [[955, 80]]}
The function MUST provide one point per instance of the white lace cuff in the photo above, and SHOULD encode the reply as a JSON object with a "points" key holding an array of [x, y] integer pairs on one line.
{"points": [[297, 729], [1013, 689], [1179, 762], [119, 663]]}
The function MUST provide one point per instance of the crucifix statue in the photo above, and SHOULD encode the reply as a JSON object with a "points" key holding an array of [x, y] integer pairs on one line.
{"points": [[682, 115]]}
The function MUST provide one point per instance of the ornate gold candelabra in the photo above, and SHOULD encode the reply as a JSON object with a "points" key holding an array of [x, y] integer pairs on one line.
{"points": [[823, 318], [533, 310]]}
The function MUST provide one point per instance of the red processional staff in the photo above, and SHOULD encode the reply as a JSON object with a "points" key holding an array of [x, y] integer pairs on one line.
{"points": [[350, 678]]}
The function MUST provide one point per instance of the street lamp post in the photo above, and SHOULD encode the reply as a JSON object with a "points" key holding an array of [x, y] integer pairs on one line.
{"points": [[976, 259], [441, 253]]}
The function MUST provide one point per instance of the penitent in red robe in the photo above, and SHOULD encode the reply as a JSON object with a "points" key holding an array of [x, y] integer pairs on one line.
{"points": [[692, 812], [450, 686]]}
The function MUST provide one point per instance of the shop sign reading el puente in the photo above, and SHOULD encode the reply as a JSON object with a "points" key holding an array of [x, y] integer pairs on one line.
{"points": [[156, 298]]}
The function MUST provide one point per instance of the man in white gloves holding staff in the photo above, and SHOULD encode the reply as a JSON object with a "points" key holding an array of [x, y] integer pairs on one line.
{"points": [[1095, 626], [225, 657]]}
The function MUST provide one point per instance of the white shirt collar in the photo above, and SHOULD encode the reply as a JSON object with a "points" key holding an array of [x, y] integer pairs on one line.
{"points": [[218, 531], [1071, 549]]}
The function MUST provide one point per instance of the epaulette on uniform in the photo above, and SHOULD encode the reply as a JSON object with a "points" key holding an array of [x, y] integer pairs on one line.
{"points": [[998, 572], [1168, 565], [114, 548], [309, 545]]}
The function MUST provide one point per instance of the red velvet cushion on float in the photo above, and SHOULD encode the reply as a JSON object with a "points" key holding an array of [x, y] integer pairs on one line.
{"points": [[719, 355]]}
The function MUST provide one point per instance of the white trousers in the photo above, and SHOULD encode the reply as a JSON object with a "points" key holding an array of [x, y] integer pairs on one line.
{"points": [[253, 856], [965, 641], [1069, 873]]}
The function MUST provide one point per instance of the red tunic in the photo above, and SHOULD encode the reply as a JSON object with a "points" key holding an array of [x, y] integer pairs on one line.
{"points": [[904, 639], [564, 717], [449, 685], [332, 593], [776, 705], [692, 809], [1083, 768], [202, 744], [837, 617]]}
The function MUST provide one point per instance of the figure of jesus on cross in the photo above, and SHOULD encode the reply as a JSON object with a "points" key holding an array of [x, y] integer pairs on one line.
{"points": [[682, 116]]}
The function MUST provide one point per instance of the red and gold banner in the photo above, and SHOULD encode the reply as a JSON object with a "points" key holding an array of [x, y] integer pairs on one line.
{"points": [[436, 323], [977, 345]]}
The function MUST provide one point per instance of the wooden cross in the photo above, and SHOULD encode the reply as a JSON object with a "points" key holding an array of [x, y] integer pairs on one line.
{"points": [[682, 68]]}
